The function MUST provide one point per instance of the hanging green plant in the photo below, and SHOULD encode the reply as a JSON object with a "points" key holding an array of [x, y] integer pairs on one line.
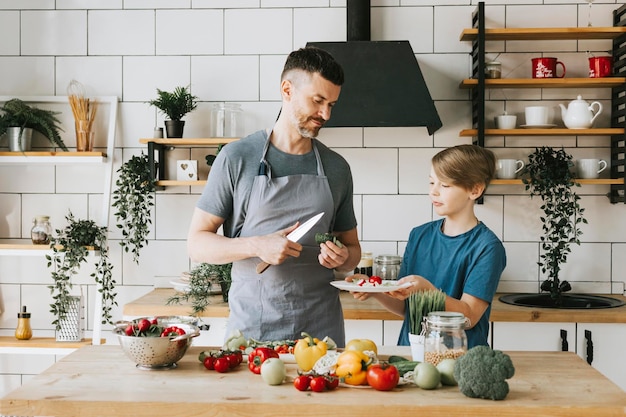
{"points": [[134, 198], [201, 279], [548, 175], [70, 248]]}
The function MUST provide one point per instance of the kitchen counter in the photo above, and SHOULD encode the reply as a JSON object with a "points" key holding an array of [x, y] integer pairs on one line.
{"points": [[154, 303], [100, 381]]}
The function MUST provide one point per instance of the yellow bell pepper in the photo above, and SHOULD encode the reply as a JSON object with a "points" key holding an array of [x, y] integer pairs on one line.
{"points": [[352, 367], [362, 345], [308, 350]]}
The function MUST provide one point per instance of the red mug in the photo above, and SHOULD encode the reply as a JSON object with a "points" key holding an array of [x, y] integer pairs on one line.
{"points": [[546, 68], [600, 66]]}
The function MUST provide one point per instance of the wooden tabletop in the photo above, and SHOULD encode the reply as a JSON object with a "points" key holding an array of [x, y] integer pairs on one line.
{"points": [[100, 381], [154, 304]]}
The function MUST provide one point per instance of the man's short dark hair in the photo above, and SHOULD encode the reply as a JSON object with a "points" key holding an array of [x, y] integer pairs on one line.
{"points": [[312, 59]]}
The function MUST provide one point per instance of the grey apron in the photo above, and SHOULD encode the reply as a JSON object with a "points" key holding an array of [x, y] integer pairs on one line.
{"points": [[294, 296]]}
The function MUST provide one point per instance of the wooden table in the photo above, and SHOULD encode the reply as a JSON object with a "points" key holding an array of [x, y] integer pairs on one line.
{"points": [[100, 381], [154, 303]]}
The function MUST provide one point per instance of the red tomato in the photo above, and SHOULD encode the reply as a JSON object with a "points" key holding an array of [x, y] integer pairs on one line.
{"points": [[383, 376], [221, 364], [233, 360], [209, 362], [154, 321], [302, 382], [144, 325], [332, 382], [318, 384]]}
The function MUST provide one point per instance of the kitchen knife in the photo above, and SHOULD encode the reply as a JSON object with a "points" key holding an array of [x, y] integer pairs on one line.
{"points": [[294, 236]]}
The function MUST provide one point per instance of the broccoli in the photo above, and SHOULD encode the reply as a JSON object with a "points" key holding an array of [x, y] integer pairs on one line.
{"points": [[325, 237], [482, 373]]}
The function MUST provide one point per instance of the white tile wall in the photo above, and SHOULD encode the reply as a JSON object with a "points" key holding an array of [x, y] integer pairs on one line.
{"points": [[233, 51]]}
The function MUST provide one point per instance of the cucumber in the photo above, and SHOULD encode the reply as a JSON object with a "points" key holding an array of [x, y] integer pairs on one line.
{"points": [[405, 366], [395, 358]]}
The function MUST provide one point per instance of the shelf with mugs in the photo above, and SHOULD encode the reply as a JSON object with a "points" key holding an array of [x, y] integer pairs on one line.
{"points": [[605, 82], [581, 181], [478, 83]]}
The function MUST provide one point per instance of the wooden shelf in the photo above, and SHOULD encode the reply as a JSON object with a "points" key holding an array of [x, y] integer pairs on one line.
{"points": [[187, 141], [539, 34], [28, 249], [606, 82], [544, 132], [175, 183], [599, 181], [52, 157], [42, 342]]}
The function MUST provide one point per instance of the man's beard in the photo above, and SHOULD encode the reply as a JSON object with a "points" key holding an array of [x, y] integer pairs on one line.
{"points": [[307, 132]]}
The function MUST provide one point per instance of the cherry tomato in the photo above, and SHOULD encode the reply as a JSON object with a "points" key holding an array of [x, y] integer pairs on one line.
{"points": [[221, 364], [130, 330], [318, 384], [332, 382], [209, 362], [154, 321], [383, 376], [376, 280], [144, 325], [302, 382], [233, 360]]}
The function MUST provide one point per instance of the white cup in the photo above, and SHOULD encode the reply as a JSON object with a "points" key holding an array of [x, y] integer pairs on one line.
{"points": [[506, 121], [508, 168], [591, 168], [537, 115]]}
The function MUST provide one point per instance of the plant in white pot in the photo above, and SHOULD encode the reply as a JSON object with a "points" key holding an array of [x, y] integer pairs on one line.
{"points": [[18, 120], [175, 105]]}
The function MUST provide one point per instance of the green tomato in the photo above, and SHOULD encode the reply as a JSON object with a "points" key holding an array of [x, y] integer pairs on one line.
{"points": [[273, 371]]}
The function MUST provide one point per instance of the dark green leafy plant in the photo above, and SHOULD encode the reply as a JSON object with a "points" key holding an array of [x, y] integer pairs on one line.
{"points": [[201, 280], [16, 113], [175, 104], [134, 198], [70, 249], [548, 175]]}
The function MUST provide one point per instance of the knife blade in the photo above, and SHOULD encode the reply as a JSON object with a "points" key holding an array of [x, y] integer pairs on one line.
{"points": [[294, 236]]}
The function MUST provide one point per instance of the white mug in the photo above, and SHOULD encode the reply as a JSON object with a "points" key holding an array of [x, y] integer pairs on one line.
{"points": [[591, 168], [537, 115], [508, 168], [506, 121]]}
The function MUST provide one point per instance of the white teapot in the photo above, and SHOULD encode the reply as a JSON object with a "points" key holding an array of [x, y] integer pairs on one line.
{"points": [[580, 114]]}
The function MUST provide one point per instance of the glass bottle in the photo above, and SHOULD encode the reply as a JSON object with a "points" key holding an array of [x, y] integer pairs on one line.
{"points": [[23, 330], [225, 120], [41, 230], [365, 264], [387, 266], [445, 337]]}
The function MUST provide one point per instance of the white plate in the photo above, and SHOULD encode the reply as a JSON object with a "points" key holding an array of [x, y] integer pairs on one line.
{"points": [[180, 286], [548, 126], [386, 286]]}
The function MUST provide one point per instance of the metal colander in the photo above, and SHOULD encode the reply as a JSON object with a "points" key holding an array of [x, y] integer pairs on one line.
{"points": [[156, 352]]}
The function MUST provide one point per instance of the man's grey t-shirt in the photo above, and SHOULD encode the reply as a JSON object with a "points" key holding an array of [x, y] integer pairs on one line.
{"points": [[228, 188]]}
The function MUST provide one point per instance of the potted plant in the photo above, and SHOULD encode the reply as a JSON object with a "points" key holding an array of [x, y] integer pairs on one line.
{"points": [[70, 248], [134, 198], [548, 175], [19, 119], [201, 279], [175, 105]]}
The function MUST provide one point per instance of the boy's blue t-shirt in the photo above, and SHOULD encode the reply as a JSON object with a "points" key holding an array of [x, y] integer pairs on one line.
{"points": [[469, 263]]}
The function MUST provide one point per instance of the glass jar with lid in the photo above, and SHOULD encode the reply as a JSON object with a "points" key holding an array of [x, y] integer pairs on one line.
{"points": [[365, 265], [387, 266], [493, 69], [41, 231], [225, 120], [444, 333]]}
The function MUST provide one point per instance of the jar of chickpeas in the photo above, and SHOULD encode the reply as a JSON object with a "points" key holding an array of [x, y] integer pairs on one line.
{"points": [[445, 337]]}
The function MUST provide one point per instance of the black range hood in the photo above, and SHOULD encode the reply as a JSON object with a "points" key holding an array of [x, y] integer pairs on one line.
{"points": [[383, 86]]}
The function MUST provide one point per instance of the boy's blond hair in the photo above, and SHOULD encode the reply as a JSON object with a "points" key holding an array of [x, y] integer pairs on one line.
{"points": [[465, 166]]}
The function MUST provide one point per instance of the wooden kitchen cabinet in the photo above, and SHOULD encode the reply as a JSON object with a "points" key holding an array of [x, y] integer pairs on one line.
{"points": [[157, 148], [600, 344], [478, 85]]}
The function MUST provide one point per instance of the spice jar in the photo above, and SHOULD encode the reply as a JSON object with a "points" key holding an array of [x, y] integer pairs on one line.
{"points": [[444, 333], [23, 330], [365, 265], [387, 266], [41, 230], [493, 69]]}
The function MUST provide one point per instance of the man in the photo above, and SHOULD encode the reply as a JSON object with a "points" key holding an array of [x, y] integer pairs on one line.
{"points": [[261, 188]]}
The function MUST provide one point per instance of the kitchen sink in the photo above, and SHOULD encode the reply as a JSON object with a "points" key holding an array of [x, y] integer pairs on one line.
{"points": [[569, 301]]}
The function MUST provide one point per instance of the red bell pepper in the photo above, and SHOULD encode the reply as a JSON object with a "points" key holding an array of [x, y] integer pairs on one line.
{"points": [[258, 356], [172, 331]]}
